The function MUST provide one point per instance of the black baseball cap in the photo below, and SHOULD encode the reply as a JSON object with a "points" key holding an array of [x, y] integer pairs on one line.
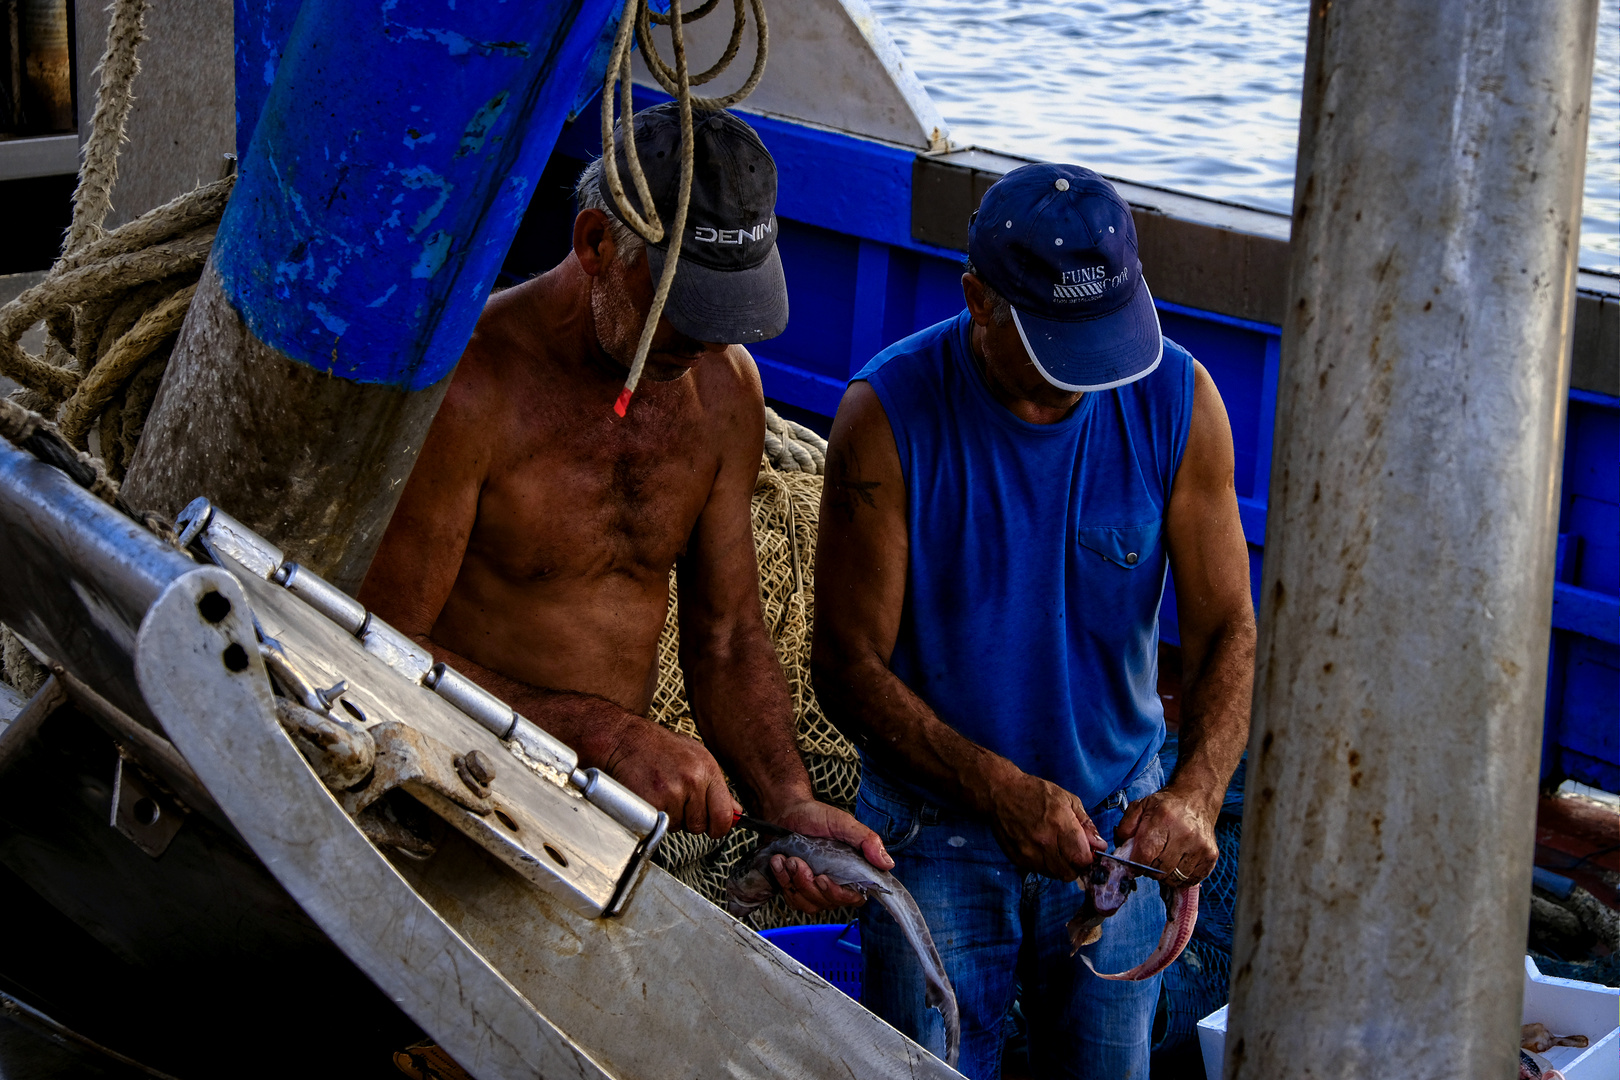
{"points": [[728, 284], [1060, 244]]}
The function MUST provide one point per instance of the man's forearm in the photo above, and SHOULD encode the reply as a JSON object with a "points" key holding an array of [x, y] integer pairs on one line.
{"points": [[594, 726], [871, 705], [742, 708], [1217, 686]]}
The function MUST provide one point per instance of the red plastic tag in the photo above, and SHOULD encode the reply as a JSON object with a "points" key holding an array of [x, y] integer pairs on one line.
{"points": [[624, 401]]}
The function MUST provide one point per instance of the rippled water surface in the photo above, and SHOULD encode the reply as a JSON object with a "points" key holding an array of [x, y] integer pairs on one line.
{"points": [[1198, 95]]}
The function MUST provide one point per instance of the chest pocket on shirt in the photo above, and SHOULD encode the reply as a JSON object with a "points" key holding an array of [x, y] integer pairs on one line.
{"points": [[1126, 546]]}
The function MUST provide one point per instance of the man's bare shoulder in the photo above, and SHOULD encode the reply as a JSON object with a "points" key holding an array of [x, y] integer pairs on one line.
{"points": [[732, 390], [504, 328], [733, 403], [499, 357]]}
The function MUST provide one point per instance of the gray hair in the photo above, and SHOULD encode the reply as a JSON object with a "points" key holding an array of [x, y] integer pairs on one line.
{"points": [[627, 243], [1000, 309]]}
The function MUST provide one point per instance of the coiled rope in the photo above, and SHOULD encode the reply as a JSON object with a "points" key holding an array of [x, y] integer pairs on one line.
{"points": [[114, 301], [638, 16]]}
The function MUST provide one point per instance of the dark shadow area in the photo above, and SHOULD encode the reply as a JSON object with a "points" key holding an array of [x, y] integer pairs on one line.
{"points": [[37, 212], [195, 962], [547, 234]]}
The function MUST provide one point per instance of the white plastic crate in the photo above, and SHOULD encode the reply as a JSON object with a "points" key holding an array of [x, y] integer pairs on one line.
{"points": [[1567, 1007]]}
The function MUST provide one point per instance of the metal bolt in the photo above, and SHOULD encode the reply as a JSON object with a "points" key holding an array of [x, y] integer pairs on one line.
{"points": [[475, 770], [482, 768], [333, 692]]}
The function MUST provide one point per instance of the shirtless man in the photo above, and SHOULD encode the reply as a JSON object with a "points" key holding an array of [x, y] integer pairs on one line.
{"points": [[531, 549]]}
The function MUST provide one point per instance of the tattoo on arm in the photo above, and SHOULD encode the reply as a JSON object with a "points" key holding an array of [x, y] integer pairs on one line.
{"points": [[848, 492]]}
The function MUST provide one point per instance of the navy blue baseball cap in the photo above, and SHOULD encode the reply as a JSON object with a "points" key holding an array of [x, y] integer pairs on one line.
{"points": [[1058, 242]]}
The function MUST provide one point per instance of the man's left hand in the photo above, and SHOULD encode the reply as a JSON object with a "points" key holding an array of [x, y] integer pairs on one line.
{"points": [[809, 892], [1174, 831]]}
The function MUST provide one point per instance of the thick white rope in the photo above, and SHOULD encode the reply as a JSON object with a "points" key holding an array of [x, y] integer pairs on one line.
{"points": [[792, 447], [113, 301], [92, 199]]}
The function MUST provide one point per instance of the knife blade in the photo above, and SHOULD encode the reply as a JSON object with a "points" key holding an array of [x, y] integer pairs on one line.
{"points": [[1141, 868]]}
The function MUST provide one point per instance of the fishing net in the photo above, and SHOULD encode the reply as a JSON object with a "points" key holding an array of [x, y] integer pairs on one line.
{"points": [[1196, 984], [786, 506], [1193, 987]]}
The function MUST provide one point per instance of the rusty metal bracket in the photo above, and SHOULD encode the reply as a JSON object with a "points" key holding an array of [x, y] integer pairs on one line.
{"points": [[409, 759], [342, 754]]}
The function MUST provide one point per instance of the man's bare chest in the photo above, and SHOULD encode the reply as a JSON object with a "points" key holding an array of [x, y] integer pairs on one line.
{"points": [[576, 507]]}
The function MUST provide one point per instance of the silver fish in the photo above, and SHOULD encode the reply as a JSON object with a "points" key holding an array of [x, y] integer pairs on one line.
{"points": [[754, 884]]}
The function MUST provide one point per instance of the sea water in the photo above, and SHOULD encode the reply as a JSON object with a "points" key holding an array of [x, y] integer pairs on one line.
{"points": [[1197, 95]]}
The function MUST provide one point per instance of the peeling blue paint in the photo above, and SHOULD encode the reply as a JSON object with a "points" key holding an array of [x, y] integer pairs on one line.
{"points": [[417, 179], [434, 252], [331, 322], [349, 251], [477, 130]]}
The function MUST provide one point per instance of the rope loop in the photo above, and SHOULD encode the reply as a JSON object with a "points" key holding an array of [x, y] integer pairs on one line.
{"points": [[638, 19], [666, 75], [691, 16]]}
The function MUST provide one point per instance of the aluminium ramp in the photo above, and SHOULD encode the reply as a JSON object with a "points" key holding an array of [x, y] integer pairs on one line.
{"points": [[512, 977]]}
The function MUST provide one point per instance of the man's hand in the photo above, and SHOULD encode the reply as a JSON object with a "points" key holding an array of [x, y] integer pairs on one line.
{"points": [[807, 892], [1174, 831], [1040, 826], [676, 774]]}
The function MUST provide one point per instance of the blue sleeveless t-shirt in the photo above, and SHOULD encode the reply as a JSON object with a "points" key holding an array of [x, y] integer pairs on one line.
{"points": [[1036, 561]]}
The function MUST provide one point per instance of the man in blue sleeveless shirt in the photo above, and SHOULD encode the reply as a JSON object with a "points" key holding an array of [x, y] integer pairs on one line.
{"points": [[1004, 494]]}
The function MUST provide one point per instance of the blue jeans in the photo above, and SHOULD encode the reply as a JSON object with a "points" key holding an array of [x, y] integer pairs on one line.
{"points": [[997, 929]]}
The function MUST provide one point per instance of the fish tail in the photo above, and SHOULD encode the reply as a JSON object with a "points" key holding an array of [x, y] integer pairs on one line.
{"points": [[1178, 929], [937, 992], [953, 1032]]}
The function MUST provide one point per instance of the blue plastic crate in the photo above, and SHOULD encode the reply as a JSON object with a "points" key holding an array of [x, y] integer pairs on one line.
{"points": [[831, 950]]}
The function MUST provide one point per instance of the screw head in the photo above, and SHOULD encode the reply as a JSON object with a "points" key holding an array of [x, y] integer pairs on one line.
{"points": [[478, 768]]}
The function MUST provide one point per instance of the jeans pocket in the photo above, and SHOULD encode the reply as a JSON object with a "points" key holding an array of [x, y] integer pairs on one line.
{"points": [[897, 822], [1148, 781]]}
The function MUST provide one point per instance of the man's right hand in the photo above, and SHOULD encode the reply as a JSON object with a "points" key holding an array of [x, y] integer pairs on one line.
{"points": [[1041, 827], [676, 774]]}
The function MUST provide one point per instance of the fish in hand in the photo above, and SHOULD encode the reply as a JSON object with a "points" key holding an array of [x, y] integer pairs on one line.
{"points": [[1108, 884], [753, 884]]}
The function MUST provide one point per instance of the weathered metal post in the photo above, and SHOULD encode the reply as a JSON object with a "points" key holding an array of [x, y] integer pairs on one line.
{"points": [[390, 166], [1409, 550]]}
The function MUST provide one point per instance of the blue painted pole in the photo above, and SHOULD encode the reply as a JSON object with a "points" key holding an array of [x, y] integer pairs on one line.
{"points": [[390, 165], [262, 30]]}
